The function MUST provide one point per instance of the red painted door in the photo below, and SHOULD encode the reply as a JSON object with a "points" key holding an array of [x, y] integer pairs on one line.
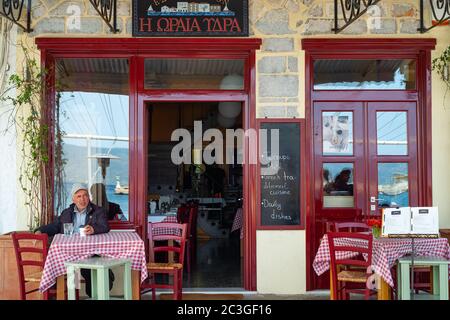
{"points": [[365, 158]]}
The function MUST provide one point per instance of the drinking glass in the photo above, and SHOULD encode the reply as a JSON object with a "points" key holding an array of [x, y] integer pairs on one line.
{"points": [[68, 229]]}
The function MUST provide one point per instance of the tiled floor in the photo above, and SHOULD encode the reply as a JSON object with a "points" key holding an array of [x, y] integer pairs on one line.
{"points": [[218, 265]]}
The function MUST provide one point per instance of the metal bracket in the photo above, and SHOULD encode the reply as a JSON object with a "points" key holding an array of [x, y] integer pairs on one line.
{"points": [[351, 11], [13, 10], [440, 12], [107, 9]]}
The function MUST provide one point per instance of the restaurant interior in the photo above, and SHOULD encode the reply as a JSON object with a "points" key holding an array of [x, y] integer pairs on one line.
{"points": [[216, 260]]}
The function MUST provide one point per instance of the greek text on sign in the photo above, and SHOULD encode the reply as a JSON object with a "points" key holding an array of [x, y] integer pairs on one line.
{"points": [[190, 18]]}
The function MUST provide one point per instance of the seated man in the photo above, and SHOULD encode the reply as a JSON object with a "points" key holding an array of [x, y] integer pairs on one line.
{"points": [[82, 213]]}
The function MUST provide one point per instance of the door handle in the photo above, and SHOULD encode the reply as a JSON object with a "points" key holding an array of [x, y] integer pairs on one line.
{"points": [[373, 199]]}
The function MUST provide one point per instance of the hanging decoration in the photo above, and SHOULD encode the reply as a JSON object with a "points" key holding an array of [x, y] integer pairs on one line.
{"points": [[225, 122], [230, 109], [232, 82]]}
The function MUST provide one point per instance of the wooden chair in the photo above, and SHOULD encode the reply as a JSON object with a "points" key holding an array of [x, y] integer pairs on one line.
{"points": [[351, 227], [166, 237], [344, 256], [23, 262]]}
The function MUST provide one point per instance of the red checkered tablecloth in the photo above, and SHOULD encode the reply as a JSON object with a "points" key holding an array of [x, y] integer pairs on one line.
{"points": [[385, 252], [161, 231], [238, 222], [122, 245]]}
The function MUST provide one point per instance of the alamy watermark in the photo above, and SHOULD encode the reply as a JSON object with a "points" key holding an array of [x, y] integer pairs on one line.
{"points": [[189, 149]]}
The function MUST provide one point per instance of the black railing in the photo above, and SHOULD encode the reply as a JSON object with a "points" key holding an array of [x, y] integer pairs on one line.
{"points": [[439, 11], [14, 9], [107, 9], [351, 11]]}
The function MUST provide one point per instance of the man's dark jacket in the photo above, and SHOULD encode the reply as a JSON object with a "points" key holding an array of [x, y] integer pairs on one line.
{"points": [[95, 217]]}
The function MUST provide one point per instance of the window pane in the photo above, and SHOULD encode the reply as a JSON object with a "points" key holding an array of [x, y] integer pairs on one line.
{"points": [[364, 74], [337, 133], [392, 133], [93, 109], [212, 74], [393, 186], [338, 185]]}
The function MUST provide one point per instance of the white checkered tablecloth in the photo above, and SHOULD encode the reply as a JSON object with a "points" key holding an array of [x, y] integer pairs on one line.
{"points": [[122, 245], [238, 222], [385, 252]]}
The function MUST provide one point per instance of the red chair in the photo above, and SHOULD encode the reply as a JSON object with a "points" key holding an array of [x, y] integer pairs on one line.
{"points": [[26, 261], [347, 250], [166, 238], [351, 227]]}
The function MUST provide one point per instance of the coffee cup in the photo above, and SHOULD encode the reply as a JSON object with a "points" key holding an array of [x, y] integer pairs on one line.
{"points": [[82, 232]]}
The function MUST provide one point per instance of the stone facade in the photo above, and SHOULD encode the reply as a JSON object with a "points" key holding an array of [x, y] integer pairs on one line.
{"points": [[280, 24]]}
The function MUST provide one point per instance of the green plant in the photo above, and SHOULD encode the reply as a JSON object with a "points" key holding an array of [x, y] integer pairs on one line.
{"points": [[26, 98], [441, 65]]}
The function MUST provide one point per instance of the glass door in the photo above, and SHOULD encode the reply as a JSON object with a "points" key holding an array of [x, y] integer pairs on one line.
{"points": [[339, 191], [392, 155], [365, 159]]}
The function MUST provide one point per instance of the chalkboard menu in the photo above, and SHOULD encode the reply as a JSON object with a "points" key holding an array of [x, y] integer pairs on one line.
{"points": [[190, 18], [280, 175]]}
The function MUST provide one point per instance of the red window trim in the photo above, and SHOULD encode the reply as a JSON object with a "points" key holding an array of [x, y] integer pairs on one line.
{"points": [[134, 49]]}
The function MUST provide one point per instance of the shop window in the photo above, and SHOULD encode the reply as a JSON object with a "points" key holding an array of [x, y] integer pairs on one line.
{"points": [[92, 109], [208, 74], [392, 133], [393, 185], [338, 185], [390, 74]]}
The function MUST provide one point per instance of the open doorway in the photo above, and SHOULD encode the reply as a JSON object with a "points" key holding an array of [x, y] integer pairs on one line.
{"points": [[217, 259]]}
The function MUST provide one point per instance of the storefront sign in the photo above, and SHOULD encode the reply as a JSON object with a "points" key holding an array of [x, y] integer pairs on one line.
{"points": [[280, 190], [190, 18]]}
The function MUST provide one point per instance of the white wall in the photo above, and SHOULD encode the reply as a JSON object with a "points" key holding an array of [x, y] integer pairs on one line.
{"points": [[8, 162], [441, 136], [281, 262]]}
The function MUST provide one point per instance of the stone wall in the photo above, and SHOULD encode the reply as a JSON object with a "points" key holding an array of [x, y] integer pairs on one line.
{"points": [[281, 24]]}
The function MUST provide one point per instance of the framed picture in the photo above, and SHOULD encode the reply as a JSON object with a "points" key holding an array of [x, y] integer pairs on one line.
{"points": [[337, 133]]}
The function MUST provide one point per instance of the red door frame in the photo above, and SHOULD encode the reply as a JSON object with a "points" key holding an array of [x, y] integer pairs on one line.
{"points": [[136, 49], [420, 49]]}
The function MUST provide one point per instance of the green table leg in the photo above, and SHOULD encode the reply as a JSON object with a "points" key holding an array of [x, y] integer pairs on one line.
{"points": [[127, 282], [435, 280], [405, 279], [443, 282], [94, 290], [71, 283], [399, 281], [103, 283]]}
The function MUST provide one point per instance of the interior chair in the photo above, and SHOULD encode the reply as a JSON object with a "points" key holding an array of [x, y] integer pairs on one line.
{"points": [[188, 214], [27, 257], [354, 251], [351, 227], [165, 237]]}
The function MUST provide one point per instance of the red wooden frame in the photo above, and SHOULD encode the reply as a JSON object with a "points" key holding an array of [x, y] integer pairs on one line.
{"points": [[302, 181], [349, 48], [136, 50]]}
